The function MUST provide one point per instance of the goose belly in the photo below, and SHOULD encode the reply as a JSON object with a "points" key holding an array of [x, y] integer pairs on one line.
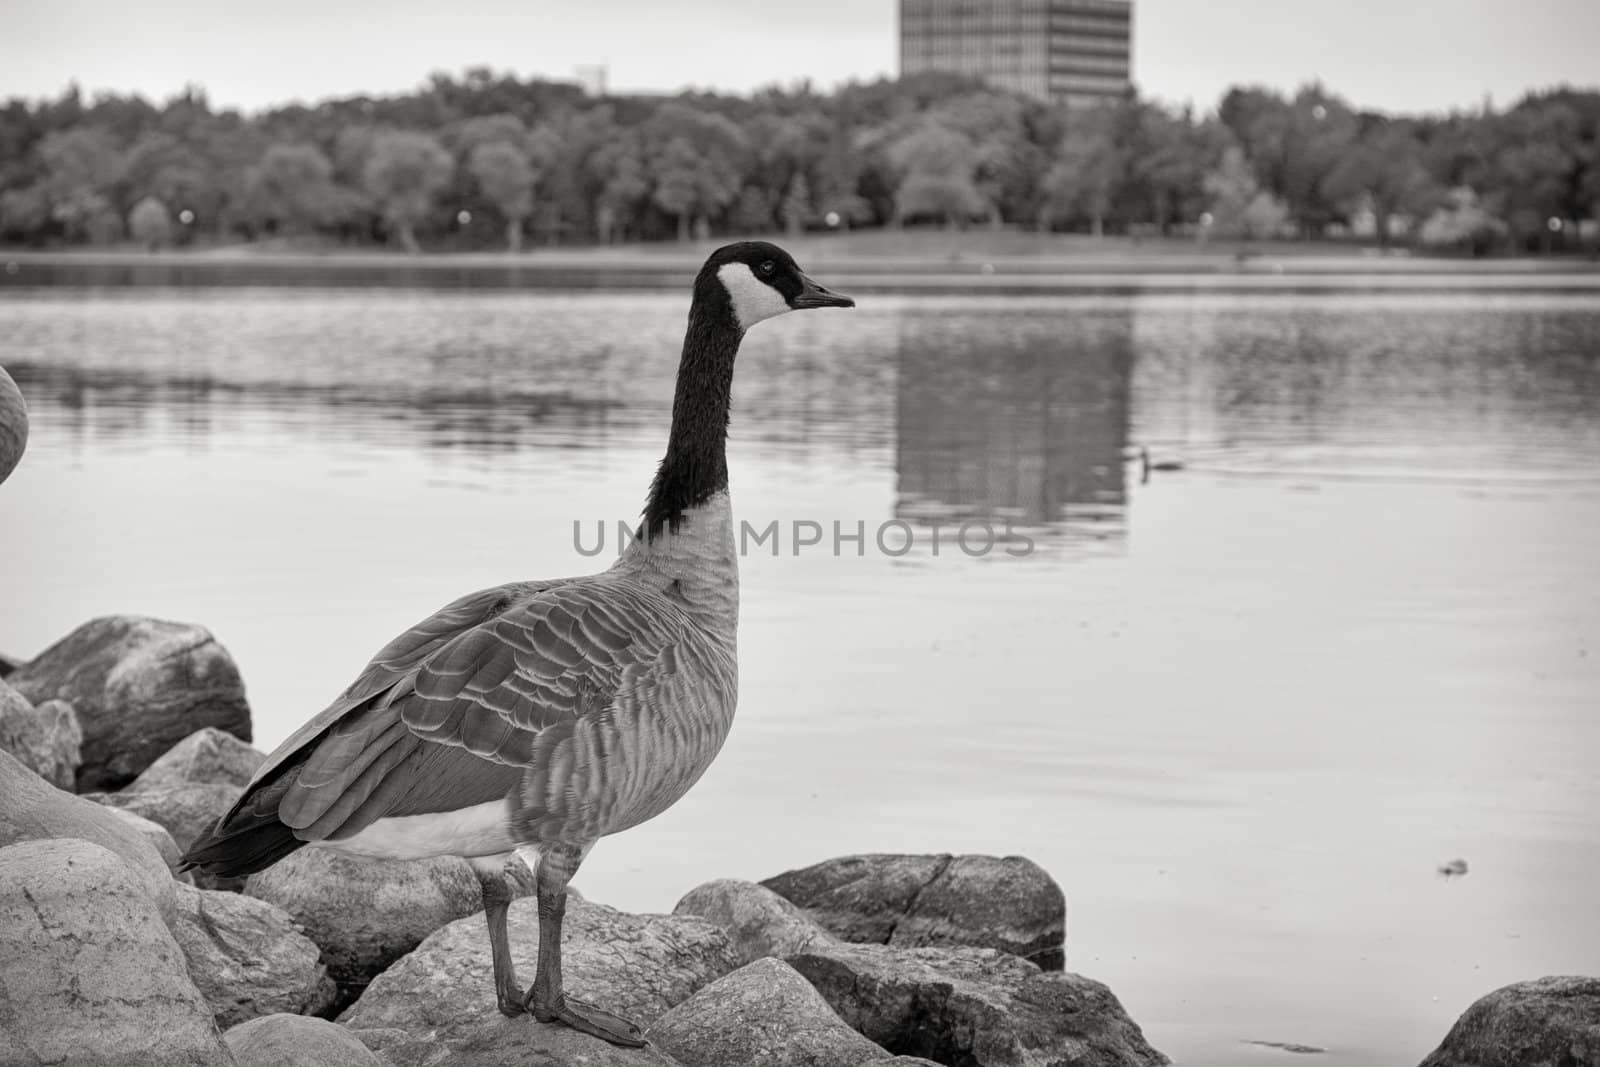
{"points": [[479, 830]]}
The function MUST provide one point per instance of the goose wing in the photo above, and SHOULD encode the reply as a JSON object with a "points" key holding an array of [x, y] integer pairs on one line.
{"points": [[395, 661], [456, 711]]}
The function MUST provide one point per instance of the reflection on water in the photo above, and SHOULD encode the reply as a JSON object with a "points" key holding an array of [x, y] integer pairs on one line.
{"points": [[1019, 418], [1242, 711]]}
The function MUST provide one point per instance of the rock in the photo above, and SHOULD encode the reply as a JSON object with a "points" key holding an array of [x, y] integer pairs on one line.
{"points": [[154, 833], [1548, 1022], [762, 1015], [758, 921], [285, 1039], [186, 811], [247, 958], [35, 810], [47, 739], [207, 757], [366, 913], [139, 686], [437, 1004], [1007, 903], [13, 425], [503, 1042], [90, 972], [976, 1006]]}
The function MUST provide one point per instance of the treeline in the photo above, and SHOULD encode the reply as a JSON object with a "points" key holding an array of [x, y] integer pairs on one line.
{"points": [[485, 160]]}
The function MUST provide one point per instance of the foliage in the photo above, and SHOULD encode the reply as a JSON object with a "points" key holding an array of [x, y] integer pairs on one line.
{"points": [[1239, 206], [150, 223], [540, 158], [505, 176], [404, 172], [937, 169], [1462, 223]]}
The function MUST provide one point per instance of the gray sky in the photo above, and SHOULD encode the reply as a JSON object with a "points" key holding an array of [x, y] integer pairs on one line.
{"points": [[1392, 55]]}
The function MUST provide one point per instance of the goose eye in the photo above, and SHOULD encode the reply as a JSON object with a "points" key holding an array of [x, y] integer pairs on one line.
{"points": [[768, 267]]}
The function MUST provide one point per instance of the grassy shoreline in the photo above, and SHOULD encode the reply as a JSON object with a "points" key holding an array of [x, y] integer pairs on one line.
{"points": [[987, 262]]}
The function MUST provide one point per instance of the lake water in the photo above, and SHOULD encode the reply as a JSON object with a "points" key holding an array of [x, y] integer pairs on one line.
{"points": [[1241, 710]]}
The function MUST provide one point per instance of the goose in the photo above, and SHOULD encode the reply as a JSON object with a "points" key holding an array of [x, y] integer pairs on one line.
{"points": [[13, 425], [1146, 466], [537, 717]]}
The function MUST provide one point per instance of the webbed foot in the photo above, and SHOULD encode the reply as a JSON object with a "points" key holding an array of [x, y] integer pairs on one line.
{"points": [[588, 1018]]}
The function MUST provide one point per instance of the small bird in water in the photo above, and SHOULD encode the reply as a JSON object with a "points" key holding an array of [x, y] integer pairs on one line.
{"points": [[539, 717], [1146, 466]]}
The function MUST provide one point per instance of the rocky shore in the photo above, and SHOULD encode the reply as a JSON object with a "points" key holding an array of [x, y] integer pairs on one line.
{"points": [[121, 742]]}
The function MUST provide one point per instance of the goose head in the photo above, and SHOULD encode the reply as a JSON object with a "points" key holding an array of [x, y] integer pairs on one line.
{"points": [[756, 280]]}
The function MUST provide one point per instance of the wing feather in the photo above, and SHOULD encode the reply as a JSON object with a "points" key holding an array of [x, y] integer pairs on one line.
{"points": [[516, 684]]}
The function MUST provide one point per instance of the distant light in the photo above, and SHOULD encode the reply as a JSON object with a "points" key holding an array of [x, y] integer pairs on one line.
{"points": [[463, 217], [1207, 218], [186, 216], [832, 219], [1319, 112], [1554, 224]]}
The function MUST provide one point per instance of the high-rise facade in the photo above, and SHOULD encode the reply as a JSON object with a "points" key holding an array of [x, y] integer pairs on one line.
{"points": [[1075, 52]]}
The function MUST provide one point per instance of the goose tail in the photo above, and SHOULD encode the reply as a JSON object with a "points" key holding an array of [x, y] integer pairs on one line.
{"points": [[249, 838]]}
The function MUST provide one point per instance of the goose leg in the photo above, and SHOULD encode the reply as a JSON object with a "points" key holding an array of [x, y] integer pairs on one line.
{"points": [[496, 899], [546, 998]]}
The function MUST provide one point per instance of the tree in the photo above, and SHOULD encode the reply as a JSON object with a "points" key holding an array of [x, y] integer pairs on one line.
{"points": [[698, 159], [1292, 146], [1382, 172], [626, 190], [150, 223], [1083, 175], [404, 173], [82, 168], [292, 190], [160, 165], [1239, 206], [796, 207], [937, 170], [1461, 222], [503, 173]]}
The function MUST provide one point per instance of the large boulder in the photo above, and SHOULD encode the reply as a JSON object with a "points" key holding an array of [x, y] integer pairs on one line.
{"points": [[366, 913], [437, 1004], [91, 974], [139, 686], [208, 756], [1009, 903], [13, 425], [247, 958], [762, 1015], [157, 835], [186, 811], [285, 1040], [757, 921], [47, 739], [974, 1006], [35, 810], [1547, 1022]]}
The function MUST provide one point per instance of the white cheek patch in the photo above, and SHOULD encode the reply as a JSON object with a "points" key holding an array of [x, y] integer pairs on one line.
{"points": [[753, 299]]}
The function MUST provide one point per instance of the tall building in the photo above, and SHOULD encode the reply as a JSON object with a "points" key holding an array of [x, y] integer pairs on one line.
{"points": [[1073, 52]]}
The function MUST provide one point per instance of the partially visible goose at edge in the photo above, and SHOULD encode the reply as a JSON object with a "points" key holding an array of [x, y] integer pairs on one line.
{"points": [[13, 425], [539, 717]]}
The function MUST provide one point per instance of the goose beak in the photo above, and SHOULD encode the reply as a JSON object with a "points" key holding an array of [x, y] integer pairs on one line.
{"points": [[815, 296]]}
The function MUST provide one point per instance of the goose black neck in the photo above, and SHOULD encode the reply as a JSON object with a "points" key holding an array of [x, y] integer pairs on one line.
{"points": [[695, 467]]}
